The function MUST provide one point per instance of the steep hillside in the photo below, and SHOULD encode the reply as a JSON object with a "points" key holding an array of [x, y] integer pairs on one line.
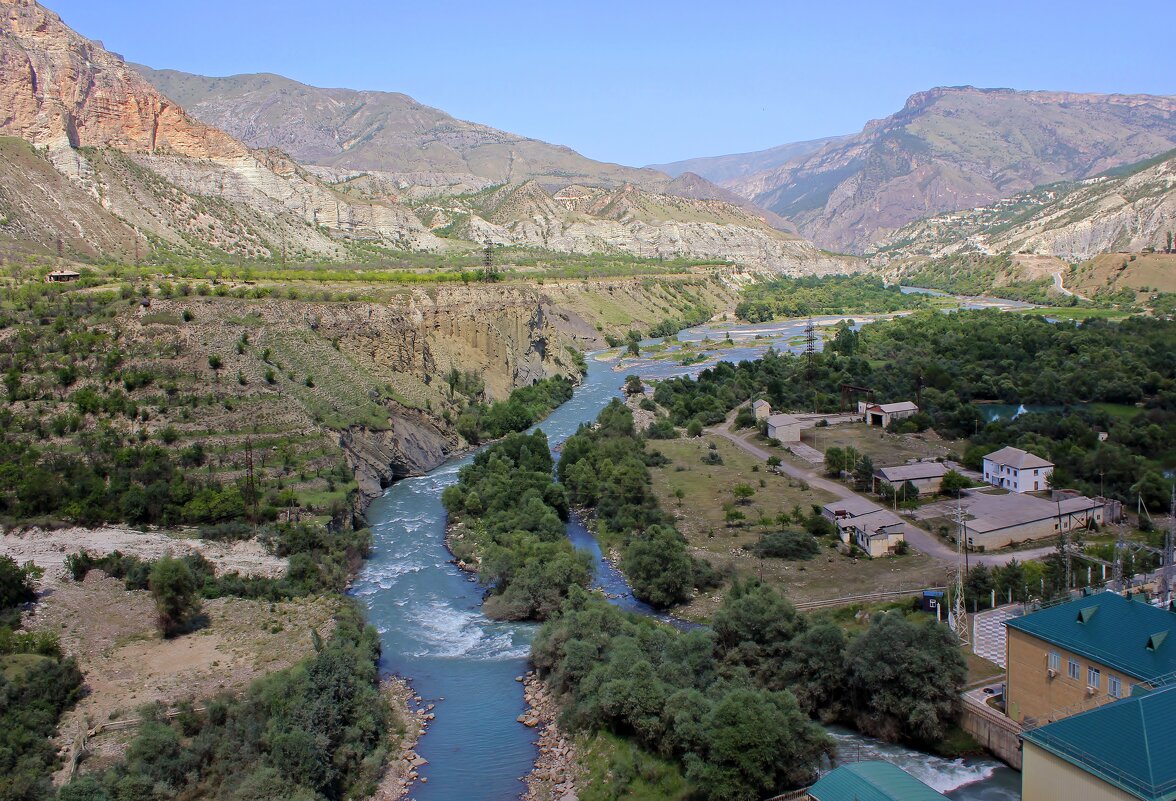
{"points": [[144, 175], [383, 132], [580, 219], [956, 148], [1128, 209], [729, 169]]}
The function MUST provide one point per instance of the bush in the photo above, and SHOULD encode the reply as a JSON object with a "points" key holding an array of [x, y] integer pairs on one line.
{"points": [[174, 588], [793, 545]]}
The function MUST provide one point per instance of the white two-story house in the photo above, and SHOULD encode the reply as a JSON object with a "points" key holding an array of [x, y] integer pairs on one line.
{"points": [[1017, 470]]}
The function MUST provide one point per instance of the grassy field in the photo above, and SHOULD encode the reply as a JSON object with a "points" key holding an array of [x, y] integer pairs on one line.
{"points": [[882, 447], [701, 517]]}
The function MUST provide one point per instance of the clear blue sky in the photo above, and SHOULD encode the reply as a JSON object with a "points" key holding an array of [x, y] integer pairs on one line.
{"points": [[640, 82]]}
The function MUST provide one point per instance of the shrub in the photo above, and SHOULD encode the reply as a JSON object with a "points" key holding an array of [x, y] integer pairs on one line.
{"points": [[786, 545]]}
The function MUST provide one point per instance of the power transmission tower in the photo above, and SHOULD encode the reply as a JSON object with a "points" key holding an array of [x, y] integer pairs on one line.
{"points": [[488, 268], [959, 608]]}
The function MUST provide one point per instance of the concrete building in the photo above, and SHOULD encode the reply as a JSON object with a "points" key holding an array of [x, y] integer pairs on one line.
{"points": [[873, 780], [784, 428], [883, 414], [1124, 751], [877, 533], [844, 508], [1017, 470], [1000, 520], [62, 276], [762, 409], [1084, 653], [926, 476]]}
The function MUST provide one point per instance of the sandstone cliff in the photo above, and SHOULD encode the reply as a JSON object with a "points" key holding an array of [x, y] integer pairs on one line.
{"points": [[168, 180]]}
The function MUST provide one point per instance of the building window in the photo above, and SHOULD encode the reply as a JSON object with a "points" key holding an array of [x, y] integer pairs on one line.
{"points": [[1114, 687], [1055, 661], [1073, 668], [1093, 677]]}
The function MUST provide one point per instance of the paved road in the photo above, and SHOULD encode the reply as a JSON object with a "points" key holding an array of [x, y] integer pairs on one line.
{"points": [[1060, 287], [919, 539]]}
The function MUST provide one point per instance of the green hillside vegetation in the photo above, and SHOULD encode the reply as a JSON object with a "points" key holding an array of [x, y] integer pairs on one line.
{"points": [[605, 468], [974, 274], [514, 515], [733, 705], [317, 730], [839, 294], [973, 356]]}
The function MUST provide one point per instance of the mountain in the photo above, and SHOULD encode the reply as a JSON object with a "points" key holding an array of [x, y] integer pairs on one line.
{"points": [[116, 168], [955, 148], [383, 132], [732, 168], [1127, 209]]}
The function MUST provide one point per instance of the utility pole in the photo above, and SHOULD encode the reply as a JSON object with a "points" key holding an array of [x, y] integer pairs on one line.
{"points": [[250, 482], [959, 608], [1170, 548]]}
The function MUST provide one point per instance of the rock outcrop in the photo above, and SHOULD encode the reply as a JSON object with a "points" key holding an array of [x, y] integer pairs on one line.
{"points": [[153, 169]]}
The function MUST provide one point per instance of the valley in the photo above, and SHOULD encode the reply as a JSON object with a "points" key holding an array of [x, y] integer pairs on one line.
{"points": [[354, 450]]}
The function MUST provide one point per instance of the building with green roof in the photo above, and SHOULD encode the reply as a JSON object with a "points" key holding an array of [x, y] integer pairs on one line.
{"points": [[1121, 751], [872, 781], [1086, 652]]}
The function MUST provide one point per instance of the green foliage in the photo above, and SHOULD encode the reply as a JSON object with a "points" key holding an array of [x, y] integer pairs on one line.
{"points": [[667, 691], [606, 468], [974, 274], [786, 545], [318, 730], [515, 515], [34, 691], [953, 482], [525, 407], [173, 586], [838, 294], [16, 582]]}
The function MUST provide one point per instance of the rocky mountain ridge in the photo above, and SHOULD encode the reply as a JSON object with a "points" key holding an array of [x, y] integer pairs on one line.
{"points": [[154, 176], [953, 148], [1129, 209]]}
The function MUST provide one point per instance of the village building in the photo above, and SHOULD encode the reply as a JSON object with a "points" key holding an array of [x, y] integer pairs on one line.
{"points": [[844, 508], [784, 428], [873, 780], [925, 476], [1017, 470], [883, 414], [996, 521], [62, 276], [1084, 653], [877, 533], [1123, 751], [762, 409]]}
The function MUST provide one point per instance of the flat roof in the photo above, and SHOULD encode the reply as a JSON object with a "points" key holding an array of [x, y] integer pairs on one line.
{"points": [[852, 507], [1130, 743], [996, 512], [1131, 636], [874, 780], [909, 472], [1017, 458]]}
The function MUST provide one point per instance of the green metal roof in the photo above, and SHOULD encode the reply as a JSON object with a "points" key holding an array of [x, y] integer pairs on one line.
{"points": [[1130, 636], [872, 781], [1129, 743]]}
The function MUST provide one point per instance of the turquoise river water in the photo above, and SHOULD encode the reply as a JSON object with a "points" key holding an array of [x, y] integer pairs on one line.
{"points": [[433, 632]]}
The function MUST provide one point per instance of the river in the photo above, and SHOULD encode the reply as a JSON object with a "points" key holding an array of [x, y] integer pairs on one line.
{"points": [[434, 634]]}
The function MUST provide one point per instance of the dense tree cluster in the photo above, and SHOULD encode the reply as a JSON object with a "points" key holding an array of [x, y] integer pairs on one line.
{"points": [[606, 468], [515, 514], [318, 730], [525, 407], [838, 294], [733, 704], [978, 274], [962, 358]]}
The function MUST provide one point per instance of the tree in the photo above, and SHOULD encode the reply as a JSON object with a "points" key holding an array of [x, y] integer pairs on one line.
{"points": [[743, 492], [16, 582], [633, 385], [633, 340], [174, 587], [863, 476], [904, 679], [953, 483], [694, 428]]}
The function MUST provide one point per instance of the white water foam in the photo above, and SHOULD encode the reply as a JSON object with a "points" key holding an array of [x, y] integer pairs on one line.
{"points": [[942, 775], [453, 633]]}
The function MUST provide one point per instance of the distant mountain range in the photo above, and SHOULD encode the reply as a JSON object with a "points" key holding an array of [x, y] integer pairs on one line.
{"points": [[955, 148], [730, 170]]}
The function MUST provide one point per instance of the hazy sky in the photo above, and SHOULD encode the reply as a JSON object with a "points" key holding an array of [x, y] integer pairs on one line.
{"points": [[640, 82]]}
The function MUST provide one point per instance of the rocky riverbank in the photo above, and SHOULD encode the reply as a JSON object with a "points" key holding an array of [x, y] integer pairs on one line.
{"points": [[404, 762], [557, 770]]}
